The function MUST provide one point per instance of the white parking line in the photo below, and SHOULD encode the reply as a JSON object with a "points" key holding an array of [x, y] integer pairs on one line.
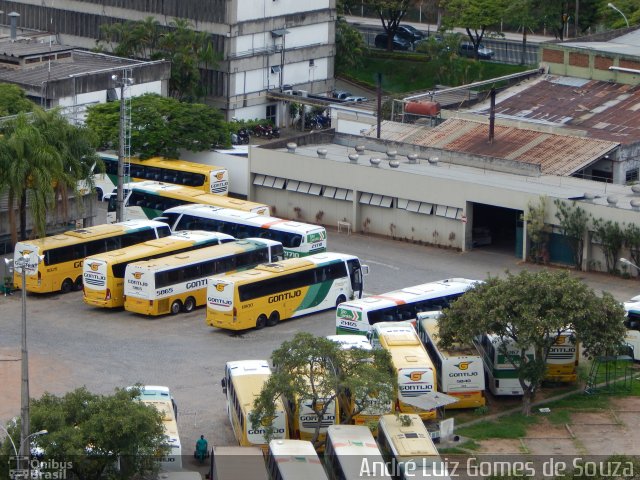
{"points": [[392, 267]]}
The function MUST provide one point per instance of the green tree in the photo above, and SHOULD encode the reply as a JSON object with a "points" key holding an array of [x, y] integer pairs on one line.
{"points": [[13, 100], [318, 371], [632, 241], [531, 310], [574, 221], [350, 47], [91, 433], [42, 154], [611, 236], [161, 126], [537, 229], [475, 16]]}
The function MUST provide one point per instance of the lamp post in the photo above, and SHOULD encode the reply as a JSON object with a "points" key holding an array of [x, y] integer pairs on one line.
{"points": [[24, 263], [15, 450], [629, 263], [611, 5]]}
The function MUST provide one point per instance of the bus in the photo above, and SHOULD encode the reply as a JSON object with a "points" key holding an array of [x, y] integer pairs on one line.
{"points": [[416, 374], [298, 239], [55, 262], [103, 275], [208, 178], [231, 463], [459, 369], [563, 359], [293, 460], [351, 453], [500, 371], [243, 380], [147, 200], [632, 323], [179, 282], [358, 316], [277, 291], [161, 398], [370, 414], [405, 443]]}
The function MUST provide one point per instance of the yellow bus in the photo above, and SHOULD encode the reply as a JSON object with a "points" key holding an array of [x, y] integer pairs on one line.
{"points": [[415, 371], [147, 200], [55, 262], [103, 275], [270, 293], [351, 453], [459, 368], [563, 359], [293, 460], [407, 447], [209, 178], [179, 282], [243, 380]]}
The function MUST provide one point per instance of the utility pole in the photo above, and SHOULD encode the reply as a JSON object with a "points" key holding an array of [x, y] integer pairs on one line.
{"points": [[124, 142]]}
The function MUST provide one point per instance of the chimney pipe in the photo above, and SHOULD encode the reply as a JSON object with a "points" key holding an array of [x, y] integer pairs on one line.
{"points": [[492, 115], [13, 17]]}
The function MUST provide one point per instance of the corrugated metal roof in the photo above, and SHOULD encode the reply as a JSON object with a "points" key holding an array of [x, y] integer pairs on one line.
{"points": [[605, 110], [556, 154], [24, 49]]}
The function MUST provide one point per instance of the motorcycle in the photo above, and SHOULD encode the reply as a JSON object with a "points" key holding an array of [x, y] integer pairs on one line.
{"points": [[266, 131], [243, 136]]}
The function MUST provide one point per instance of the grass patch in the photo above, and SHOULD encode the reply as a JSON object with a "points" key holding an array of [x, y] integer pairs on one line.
{"points": [[509, 426], [400, 76], [558, 417], [462, 448], [579, 401]]}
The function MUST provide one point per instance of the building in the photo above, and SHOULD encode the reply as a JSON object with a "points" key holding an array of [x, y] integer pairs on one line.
{"points": [[265, 44]]}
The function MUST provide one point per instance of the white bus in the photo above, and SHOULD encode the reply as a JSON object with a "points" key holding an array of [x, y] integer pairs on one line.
{"points": [[357, 316], [179, 282], [459, 368], [293, 460], [298, 239], [352, 453], [243, 380], [502, 377], [160, 398]]}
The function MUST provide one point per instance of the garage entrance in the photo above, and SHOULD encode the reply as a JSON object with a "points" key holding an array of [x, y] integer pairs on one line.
{"points": [[497, 228]]}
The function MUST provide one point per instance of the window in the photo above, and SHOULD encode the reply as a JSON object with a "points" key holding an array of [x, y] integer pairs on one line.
{"points": [[275, 69], [312, 63], [632, 175], [271, 113]]}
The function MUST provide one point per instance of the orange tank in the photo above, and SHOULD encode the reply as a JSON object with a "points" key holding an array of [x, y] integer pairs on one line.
{"points": [[423, 108]]}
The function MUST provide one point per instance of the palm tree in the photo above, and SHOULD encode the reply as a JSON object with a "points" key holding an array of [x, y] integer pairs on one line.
{"points": [[42, 158]]}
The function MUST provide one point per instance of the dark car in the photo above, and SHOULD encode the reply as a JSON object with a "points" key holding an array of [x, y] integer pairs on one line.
{"points": [[410, 33], [466, 50], [399, 43]]}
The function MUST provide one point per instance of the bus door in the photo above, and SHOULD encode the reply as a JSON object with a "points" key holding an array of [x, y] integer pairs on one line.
{"points": [[356, 272]]}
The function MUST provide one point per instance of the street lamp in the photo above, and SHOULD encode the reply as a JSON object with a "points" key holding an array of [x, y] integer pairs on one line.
{"points": [[15, 450], [121, 82], [24, 264], [629, 263], [611, 5]]}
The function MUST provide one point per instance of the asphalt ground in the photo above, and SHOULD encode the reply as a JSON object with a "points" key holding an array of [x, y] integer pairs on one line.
{"points": [[72, 344]]}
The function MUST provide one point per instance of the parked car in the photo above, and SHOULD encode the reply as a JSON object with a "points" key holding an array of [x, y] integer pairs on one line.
{"points": [[410, 33], [466, 50], [355, 98], [399, 43], [341, 94]]}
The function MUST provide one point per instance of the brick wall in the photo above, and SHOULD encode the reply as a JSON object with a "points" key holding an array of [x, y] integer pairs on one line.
{"points": [[578, 59], [629, 64], [552, 56], [602, 63]]}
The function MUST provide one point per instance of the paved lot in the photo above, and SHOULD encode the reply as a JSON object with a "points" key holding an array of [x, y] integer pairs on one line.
{"points": [[71, 344]]}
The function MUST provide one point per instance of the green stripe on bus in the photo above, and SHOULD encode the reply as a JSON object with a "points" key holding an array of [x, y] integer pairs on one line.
{"points": [[315, 295], [151, 213]]}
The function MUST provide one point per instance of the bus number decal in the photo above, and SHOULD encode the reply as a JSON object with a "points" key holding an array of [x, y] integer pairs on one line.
{"points": [[164, 291]]}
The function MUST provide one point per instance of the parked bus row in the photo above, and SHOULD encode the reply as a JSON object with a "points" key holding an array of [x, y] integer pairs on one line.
{"points": [[208, 178], [404, 447]]}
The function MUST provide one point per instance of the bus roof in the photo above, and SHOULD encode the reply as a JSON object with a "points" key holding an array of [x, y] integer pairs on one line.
{"points": [[297, 459], [411, 440], [253, 374], [351, 341], [352, 440], [449, 286], [72, 236], [430, 325], [206, 253], [407, 351], [177, 164], [194, 237], [229, 460], [285, 266], [249, 218]]}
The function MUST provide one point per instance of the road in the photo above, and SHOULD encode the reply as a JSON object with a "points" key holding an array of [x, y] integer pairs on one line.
{"points": [[72, 344]]}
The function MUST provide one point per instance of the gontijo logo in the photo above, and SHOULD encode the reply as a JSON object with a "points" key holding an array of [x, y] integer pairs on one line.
{"points": [[463, 365], [416, 376], [220, 286], [138, 275], [219, 175], [26, 252], [94, 266]]}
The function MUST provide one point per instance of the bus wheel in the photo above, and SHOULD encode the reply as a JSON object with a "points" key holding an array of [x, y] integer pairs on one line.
{"points": [[274, 318], [78, 285], [67, 285], [189, 304], [341, 299], [261, 322], [176, 307]]}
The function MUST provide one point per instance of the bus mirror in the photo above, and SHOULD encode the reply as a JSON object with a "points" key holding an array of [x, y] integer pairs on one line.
{"points": [[365, 269]]}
